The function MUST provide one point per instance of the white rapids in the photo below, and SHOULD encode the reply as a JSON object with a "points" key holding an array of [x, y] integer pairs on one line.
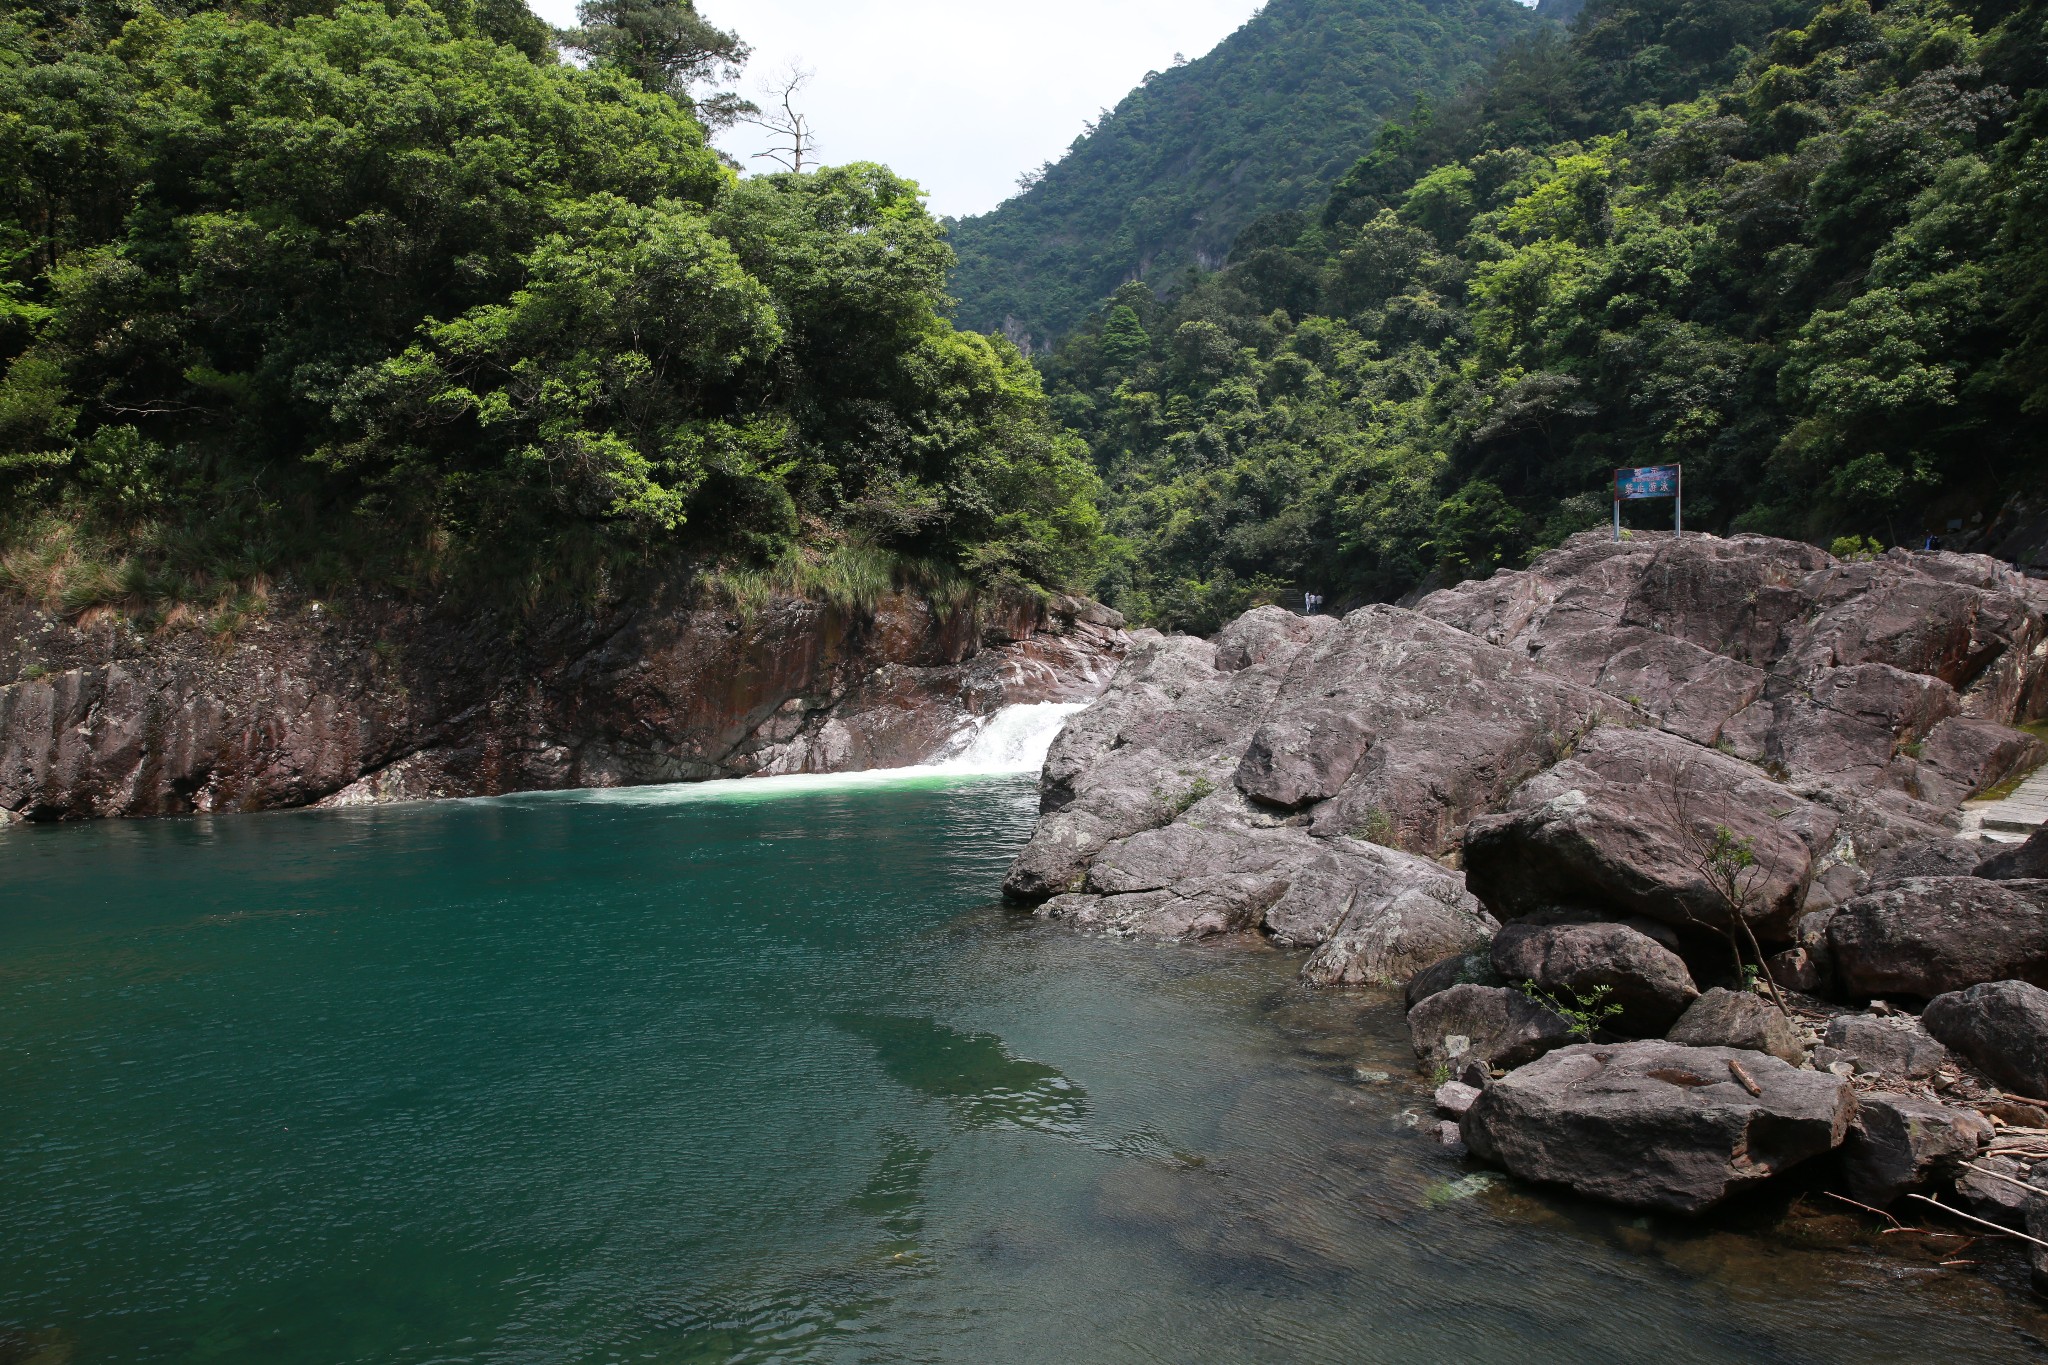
{"points": [[1013, 740]]}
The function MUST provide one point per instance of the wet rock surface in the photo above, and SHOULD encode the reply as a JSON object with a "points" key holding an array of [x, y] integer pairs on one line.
{"points": [[1898, 1144], [351, 703], [1657, 1125]]}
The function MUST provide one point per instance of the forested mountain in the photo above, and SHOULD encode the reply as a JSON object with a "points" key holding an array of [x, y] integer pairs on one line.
{"points": [[1798, 247], [1167, 179], [391, 295]]}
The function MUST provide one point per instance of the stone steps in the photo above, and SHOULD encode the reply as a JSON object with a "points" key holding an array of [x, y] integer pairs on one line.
{"points": [[2016, 816]]}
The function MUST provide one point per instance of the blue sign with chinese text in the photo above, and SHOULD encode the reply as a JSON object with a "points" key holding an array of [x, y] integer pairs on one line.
{"points": [[1657, 481]]}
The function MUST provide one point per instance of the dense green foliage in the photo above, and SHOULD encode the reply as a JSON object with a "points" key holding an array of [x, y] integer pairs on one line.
{"points": [[1798, 248], [1167, 179], [386, 292]]}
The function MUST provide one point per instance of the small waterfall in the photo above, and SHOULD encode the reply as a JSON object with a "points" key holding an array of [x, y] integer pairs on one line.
{"points": [[1013, 740]]}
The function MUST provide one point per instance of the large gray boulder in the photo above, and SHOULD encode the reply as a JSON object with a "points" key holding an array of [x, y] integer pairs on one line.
{"points": [[1943, 857], [1487, 1024], [1474, 968], [1900, 1143], [1656, 1125], [2001, 1026], [1386, 725], [1930, 935], [1386, 941], [1626, 824], [1896, 1047], [1739, 1019], [2027, 861], [1377, 916], [1610, 963], [1987, 1189]]}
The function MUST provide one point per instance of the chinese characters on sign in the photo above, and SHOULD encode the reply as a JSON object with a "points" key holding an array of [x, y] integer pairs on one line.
{"points": [[1653, 481], [1658, 481]]}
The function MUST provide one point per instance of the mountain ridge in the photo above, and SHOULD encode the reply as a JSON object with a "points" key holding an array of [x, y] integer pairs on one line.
{"points": [[1266, 121]]}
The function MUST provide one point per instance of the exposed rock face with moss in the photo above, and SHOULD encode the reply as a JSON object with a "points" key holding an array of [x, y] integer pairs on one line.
{"points": [[342, 703]]}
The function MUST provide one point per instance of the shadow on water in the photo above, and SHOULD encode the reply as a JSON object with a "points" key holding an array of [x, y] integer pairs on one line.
{"points": [[974, 1073]]}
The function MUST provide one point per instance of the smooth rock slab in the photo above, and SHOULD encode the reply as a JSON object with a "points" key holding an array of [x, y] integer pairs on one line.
{"points": [[2002, 1027], [1740, 1019], [1657, 1125], [1901, 1143], [1491, 1024], [1930, 935]]}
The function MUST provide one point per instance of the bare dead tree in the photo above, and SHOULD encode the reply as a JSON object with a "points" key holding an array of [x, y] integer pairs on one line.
{"points": [[1729, 865], [795, 144]]}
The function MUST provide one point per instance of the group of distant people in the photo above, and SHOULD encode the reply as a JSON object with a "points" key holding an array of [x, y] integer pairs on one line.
{"points": [[1311, 604]]}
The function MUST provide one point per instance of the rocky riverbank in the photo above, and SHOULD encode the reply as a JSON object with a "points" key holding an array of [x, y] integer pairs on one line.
{"points": [[1660, 838], [351, 702]]}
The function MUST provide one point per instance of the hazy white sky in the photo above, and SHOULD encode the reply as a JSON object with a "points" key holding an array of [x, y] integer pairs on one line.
{"points": [[962, 96]]}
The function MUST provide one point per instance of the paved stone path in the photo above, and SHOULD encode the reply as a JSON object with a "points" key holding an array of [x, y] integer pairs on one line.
{"points": [[2016, 816]]}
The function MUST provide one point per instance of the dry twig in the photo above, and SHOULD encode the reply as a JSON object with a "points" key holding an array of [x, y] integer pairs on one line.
{"points": [[1981, 1222]]}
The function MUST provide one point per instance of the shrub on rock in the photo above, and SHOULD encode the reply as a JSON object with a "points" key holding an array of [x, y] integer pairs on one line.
{"points": [[1626, 968]]}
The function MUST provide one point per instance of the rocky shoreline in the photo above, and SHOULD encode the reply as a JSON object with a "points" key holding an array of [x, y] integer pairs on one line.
{"points": [[345, 703], [1659, 837]]}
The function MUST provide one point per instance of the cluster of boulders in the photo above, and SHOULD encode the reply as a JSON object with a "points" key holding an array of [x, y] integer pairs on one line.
{"points": [[1659, 836]]}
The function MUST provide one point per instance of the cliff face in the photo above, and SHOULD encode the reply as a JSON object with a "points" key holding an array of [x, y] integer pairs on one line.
{"points": [[323, 703]]}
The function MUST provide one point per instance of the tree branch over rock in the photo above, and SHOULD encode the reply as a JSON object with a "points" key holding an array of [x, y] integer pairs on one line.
{"points": [[1730, 867]]}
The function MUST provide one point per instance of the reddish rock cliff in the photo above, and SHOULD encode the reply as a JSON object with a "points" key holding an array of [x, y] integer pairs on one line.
{"points": [[342, 703]]}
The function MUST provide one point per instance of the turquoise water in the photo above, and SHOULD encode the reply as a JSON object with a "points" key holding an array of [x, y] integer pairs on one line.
{"points": [[745, 1074]]}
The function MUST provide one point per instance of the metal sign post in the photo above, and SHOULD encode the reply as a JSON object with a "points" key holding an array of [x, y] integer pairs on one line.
{"points": [[1652, 481]]}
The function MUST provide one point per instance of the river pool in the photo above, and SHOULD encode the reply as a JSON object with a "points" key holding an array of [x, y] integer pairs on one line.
{"points": [[760, 1072]]}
